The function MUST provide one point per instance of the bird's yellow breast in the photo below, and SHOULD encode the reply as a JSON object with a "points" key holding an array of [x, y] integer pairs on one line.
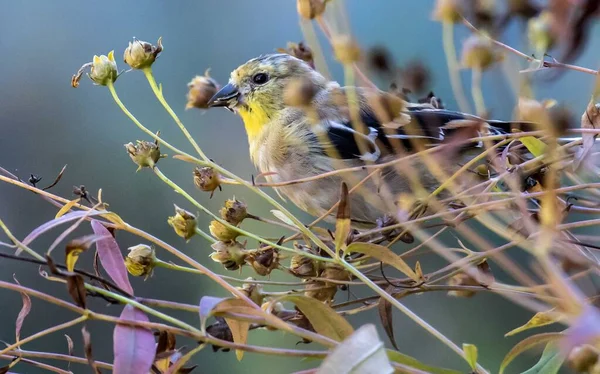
{"points": [[255, 120]]}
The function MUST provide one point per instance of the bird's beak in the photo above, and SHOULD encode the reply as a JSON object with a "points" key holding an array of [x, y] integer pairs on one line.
{"points": [[225, 96]]}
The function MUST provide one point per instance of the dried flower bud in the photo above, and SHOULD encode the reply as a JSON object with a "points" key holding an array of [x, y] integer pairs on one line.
{"points": [[103, 70], [200, 90], [540, 33], [462, 279], [380, 60], [140, 260], [207, 179], [263, 260], [144, 154], [234, 211], [231, 254], [310, 9], [320, 291], [140, 54], [335, 272], [301, 51], [448, 11], [478, 53], [184, 223], [299, 93], [220, 330], [222, 232], [346, 49], [582, 358], [302, 266], [253, 291]]}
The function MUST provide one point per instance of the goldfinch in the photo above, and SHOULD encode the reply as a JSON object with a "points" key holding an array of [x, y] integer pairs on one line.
{"points": [[340, 127]]}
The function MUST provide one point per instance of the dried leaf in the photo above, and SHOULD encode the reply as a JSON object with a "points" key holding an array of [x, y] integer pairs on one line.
{"points": [[134, 348], [406, 360], [25, 309], [282, 217], [384, 308], [114, 218], [550, 362], [538, 320], [65, 208], [360, 353], [322, 317], [69, 349], [5, 369], [471, 355], [526, 344], [419, 272], [87, 346], [239, 330], [166, 343], [342, 222], [76, 288], [485, 277], [384, 255], [111, 257]]}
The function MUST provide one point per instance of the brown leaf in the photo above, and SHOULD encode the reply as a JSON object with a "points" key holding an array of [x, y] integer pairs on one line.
{"points": [[485, 278], [87, 346], [384, 308], [166, 343], [342, 222], [76, 288], [239, 331], [69, 348], [23, 313]]}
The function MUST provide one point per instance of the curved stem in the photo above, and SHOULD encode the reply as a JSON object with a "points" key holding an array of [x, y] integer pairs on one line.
{"points": [[448, 40]]}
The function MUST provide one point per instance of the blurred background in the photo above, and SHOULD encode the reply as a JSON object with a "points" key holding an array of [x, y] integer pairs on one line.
{"points": [[45, 124]]}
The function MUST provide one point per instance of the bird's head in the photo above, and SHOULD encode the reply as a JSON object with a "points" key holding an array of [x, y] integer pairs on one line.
{"points": [[256, 89]]}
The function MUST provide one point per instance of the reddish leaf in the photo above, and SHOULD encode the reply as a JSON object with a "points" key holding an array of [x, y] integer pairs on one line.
{"points": [[56, 222], [23, 313], [76, 288], [111, 257], [134, 347], [87, 347], [384, 308]]}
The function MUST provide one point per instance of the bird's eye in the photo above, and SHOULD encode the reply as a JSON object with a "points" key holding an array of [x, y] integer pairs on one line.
{"points": [[260, 78]]}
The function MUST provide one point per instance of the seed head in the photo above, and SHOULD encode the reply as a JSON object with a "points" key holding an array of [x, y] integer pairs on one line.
{"points": [[462, 279], [335, 272], [231, 254], [207, 179], [140, 54], [320, 291], [200, 90], [302, 266], [144, 154], [184, 223], [103, 70], [222, 232], [309, 9], [140, 260], [301, 51], [253, 291], [346, 49], [299, 93], [263, 260], [234, 211], [448, 11], [478, 53]]}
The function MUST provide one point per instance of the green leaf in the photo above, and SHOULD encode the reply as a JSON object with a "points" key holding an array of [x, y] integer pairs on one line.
{"points": [[526, 344], [538, 320], [324, 319], [550, 362], [282, 217], [361, 353], [406, 360], [471, 355], [535, 146], [384, 255]]}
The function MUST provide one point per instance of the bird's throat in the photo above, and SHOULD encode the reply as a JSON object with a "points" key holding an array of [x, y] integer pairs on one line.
{"points": [[255, 121]]}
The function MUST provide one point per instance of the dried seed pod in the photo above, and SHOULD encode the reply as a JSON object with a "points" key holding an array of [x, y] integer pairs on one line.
{"points": [[220, 330], [346, 49], [448, 11], [335, 272], [144, 154], [222, 232], [253, 291], [207, 179], [462, 279], [320, 291], [302, 266], [200, 90], [478, 53], [231, 254], [140, 260], [583, 358], [309, 9], [184, 223], [299, 93], [299, 50], [234, 211], [263, 260], [141, 55]]}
